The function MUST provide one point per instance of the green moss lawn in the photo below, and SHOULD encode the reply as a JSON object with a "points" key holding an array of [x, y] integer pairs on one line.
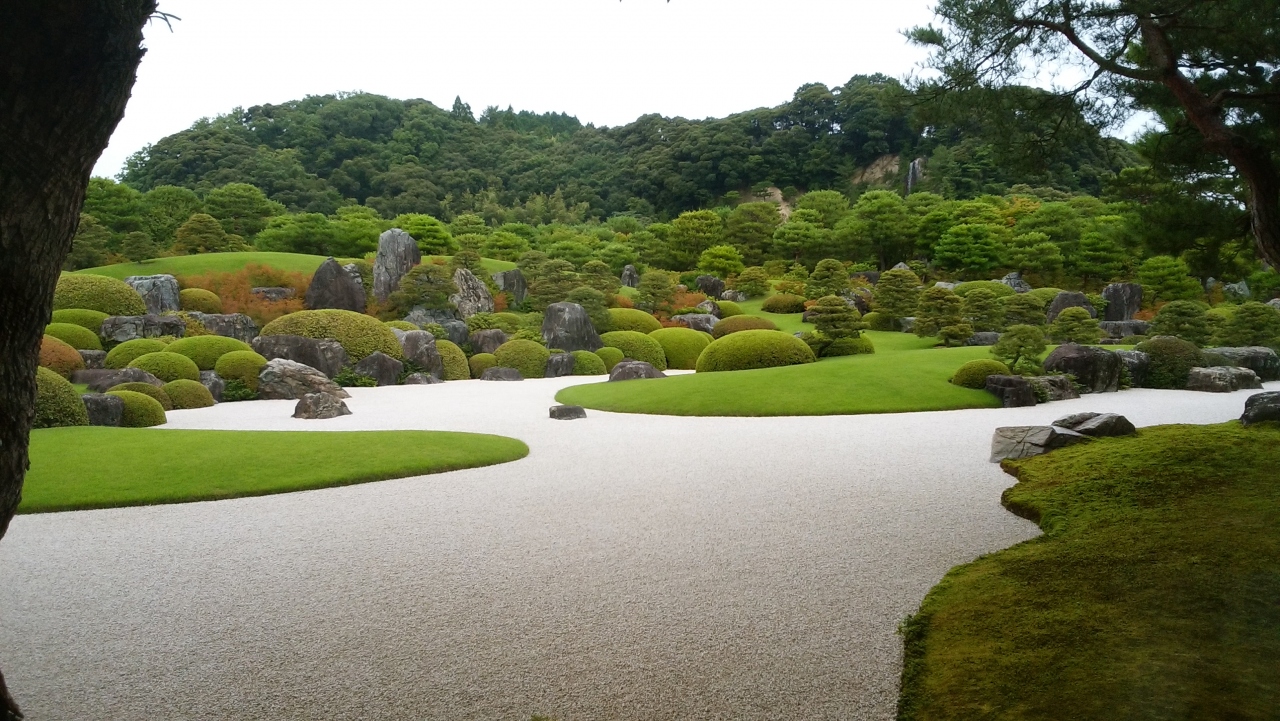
{"points": [[1154, 592], [233, 262], [97, 467]]}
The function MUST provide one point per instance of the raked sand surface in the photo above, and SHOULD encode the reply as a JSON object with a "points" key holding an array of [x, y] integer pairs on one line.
{"points": [[632, 567]]}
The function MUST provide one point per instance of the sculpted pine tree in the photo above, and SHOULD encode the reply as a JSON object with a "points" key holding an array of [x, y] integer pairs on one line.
{"points": [[66, 71]]}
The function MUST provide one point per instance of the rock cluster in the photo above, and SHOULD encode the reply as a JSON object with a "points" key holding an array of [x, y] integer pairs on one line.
{"points": [[512, 282], [1124, 300], [697, 321], [104, 410], [230, 325], [1054, 388], [1013, 442], [1013, 391], [1069, 299], [1097, 370], [318, 406], [559, 364], [381, 367], [419, 348], [1097, 425], [488, 341], [101, 381], [1259, 359]]}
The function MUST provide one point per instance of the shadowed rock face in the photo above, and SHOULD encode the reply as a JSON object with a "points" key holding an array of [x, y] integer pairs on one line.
{"points": [[318, 406], [1054, 388], [1138, 364], [1069, 299], [419, 348], [696, 321], [568, 413], [472, 296], [512, 282], [1013, 391], [630, 276], [1014, 280], [559, 364], [501, 374], [1222, 379], [120, 328], [1124, 300], [568, 327], [100, 381], [1096, 369], [231, 325], [333, 287], [629, 370], [215, 384], [488, 341], [1117, 329], [1259, 359], [286, 379], [1097, 425], [1261, 407], [381, 367], [397, 253], [326, 356], [710, 285], [159, 292], [104, 410]]}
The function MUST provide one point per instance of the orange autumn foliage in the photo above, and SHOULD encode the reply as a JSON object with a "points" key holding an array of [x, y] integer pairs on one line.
{"points": [[236, 290]]}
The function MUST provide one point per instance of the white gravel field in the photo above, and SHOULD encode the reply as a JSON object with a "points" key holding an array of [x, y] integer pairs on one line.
{"points": [[632, 567]]}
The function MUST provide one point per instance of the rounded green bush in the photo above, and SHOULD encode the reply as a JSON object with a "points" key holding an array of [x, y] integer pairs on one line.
{"points": [[728, 308], [637, 346], [481, 362], [1171, 361], [860, 345], [140, 411], [124, 354], [455, 361], [59, 357], [586, 363], [682, 346], [401, 325], [783, 303], [147, 389], [241, 365], [754, 349], [188, 394], [76, 336], [200, 300], [609, 356], [737, 323], [633, 319], [1000, 289], [974, 373], [1044, 295], [83, 317], [507, 322], [97, 292], [57, 402], [525, 356], [205, 350], [167, 366], [359, 334], [876, 320]]}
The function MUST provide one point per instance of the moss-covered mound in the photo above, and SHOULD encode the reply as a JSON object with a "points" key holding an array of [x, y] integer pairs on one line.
{"points": [[609, 356], [124, 354], [637, 346], [1171, 361], [586, 363], [241, 365], [147, 389], [860, 345], [401, 325], [525, 356], [167, 366], [140, 411], [57, 402], [359, 334], [186, 394], [205, 350], [740, 323], [481, 362], [200, 300], [83, 317], [633, 319], [59, 357], [974, 373], [76, 336], [97, 292], [455, 361], [783, 303], [682, 346], [749, 349]]}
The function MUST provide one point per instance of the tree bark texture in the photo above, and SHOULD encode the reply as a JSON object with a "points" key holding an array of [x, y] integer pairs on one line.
{"points": [[66, 70]]}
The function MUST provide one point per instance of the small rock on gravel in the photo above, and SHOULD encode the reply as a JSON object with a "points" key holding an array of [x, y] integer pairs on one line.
{"points": [[501, 374], [421, 379], [568, 413], [1222, 379], [629, 370], [1013, 442], [318, 406]]}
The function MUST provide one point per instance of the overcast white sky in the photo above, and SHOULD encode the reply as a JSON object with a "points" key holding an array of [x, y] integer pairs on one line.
{"points": [[604, 61]]}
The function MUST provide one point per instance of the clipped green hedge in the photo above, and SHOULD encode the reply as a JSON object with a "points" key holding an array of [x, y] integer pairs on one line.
{"points": [[124, 354], [682, 346], [737, 323], [401, 325], [186, 394], [57, 402], [200, 300], [59, 357], [783, 303], [974, 373], [147, 389], [633, 319], [205, 350], [586, 363], [860, 345], [481, 362], [167, 366], [359, 334], [728, 308], [83, 317], [1000, 289], [754, 349], [637, 346], [241, 365], [1044, 295], [525, 356], [609, 356], [455, 361], [140, 411], [76, 336], [97, 292], [1171, 361]]}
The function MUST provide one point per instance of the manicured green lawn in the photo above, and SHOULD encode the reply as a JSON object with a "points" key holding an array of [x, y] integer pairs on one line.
{"points": [[905, 374], [233, 262], [97, 467], [1153, 594]]}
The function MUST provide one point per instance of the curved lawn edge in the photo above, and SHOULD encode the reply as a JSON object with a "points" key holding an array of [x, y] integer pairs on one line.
{"points": [[96, 467]]}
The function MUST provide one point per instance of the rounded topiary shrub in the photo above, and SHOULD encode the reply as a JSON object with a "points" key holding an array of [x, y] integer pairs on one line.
{"points": [[609, 356], [57, 402], [525, 356], [59, 357], [637, 346], [401, 325], [200, 300], [878, 321], [167, 366], [633, 319], [205, 350], [83, 317], [97, 292], [682, 346], [783, 303], [124, 354], [76, 336], [140, 411], [737, 323], [186, 394], [1000, 289], [455, 361], [586, 363], [147, 389], [754, 349], [241, 365], [1044, 295], [861, 345], [481, 362], [728, 308], [974, 373], [1171, 361], [359, 334]]}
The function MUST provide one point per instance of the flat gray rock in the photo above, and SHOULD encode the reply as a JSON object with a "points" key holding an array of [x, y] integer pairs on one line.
{"points": [[104, 410], [229, 325], [1014, 442], [488, 340], [1261, 407], [568, 413], [733, 296], [276, 294], [1259, 359], [709, 307], [1222, 379], [93, 359], [1055, 388], [421, 379], [697, 321], [983, 338], [318, 406], [420, 316], [1097, 425]]}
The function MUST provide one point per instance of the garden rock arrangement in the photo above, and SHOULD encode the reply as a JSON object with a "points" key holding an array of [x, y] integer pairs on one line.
{"points": [[121, 328], [1095, 369], [1014, 280], [628, 370], [1261, 407], [93, 359], [1263, 361], [290, 380], [1120, 329], [326, 356], [397, 254], [1222, 379], [1124, 300], [101, 381], [1053, 388], [983, 338], [704, 322], [710, 285], [275, 294], [421, 379], [488, 340], [559, 365], [1097, 425], [1014, 442], [333, 287], [318, 406], [568, 327], [1013, 391], [216, 385], [630, 276], [159, 292], [1137, 363]]}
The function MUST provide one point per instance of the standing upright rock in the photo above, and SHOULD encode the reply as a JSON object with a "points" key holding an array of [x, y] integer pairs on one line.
{"points": [[710, 285], [1124, 300], [568, 327], [472, 296], [513, 283], [159, 292], [1070, 299], [397, 253], [333, 287], [420, 349], [1095, 369], [630, 276]]}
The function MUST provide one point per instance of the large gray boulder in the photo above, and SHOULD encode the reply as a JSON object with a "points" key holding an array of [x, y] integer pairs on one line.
{"points": [[488, 341], [318, 406], [1013, 391], [501, 374], [1119, 329], [456, 331], [1014, 442], [512, 282], [1053, 388], [381, 367], [1014, 280], [628, 370], [230, 325], [1261, 407], [333, 287], [1124, 300], [120, 328], [215, 384], [103, 380], [568, 327], [326, 356], [630, 276], [419, 348], [697, 321], [290, 380], [1259, 359], [1097, 370], [421, 317], [159, 292], [93, 359], [104, 410], [472, 296], [1222, 379], [711, 285], [397, 254], [1138, 364], [860, 298], [558, 365], [1069, 299], [1097, 425]]}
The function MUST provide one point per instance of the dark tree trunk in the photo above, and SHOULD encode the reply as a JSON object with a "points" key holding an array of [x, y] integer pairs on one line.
{"points": [[66, 69]]}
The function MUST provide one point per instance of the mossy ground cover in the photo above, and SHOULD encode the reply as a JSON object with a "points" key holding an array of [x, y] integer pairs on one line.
{"points": [[234, 262], [1151, 595], [97, 467]]}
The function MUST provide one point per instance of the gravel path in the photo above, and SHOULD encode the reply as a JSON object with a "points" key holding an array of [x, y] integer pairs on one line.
{"points": [[632, 567]]}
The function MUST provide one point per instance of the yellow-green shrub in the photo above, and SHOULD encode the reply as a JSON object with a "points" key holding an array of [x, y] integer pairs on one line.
{"points": [[401, 325], [974, 373], [122, 355], [200, 300], [586, 363], [481, 362], [140, 411], [633, 319], [57, 402], [167, 366], [97, 292], [682, 346], [455, 361], [737, 323], [609, 356], [359, 334], [241, 365], [754, 349], [728, 308], [783, 303], [147, 389], [76, 336], [188, 394], [205, 350], [525, 356], [83, 317], [637, 346]]}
